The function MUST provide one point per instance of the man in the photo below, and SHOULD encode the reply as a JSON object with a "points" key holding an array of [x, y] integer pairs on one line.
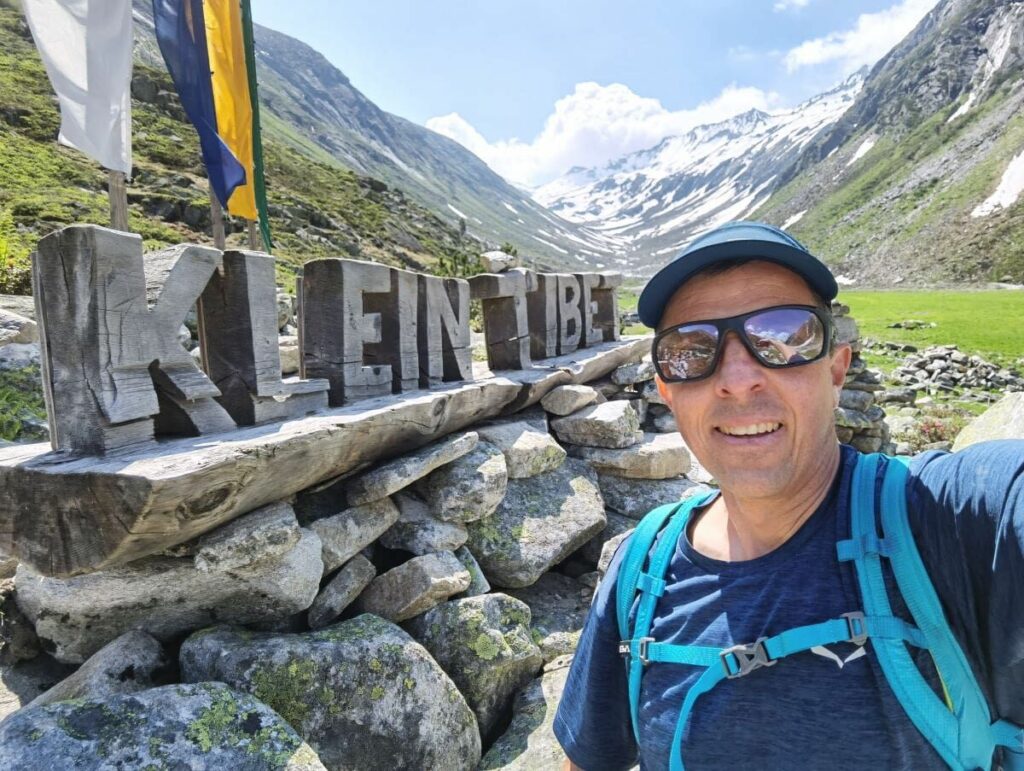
{"points": [[753, 393]]}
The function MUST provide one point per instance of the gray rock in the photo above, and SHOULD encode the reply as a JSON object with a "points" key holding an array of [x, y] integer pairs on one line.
{"points": [[202, 726], [341, 591], [566, 399], [529, 743], [393, 475], [484, 645], [637, 372], [416, 531], [558, 607], [23, 681], [289, 348], [265, 533], [612, 424], [131, 663], [469, 488], [164, 596], [18, 356], [184, 337], [344, 534], [15, 328], [478, 581], [663, 422], [635, 497], [415, 586], [528, 451], [897, 396], [900, 426], [608, 551], [651, 394], [23, 305], [854, 419], [1003, 420], [846, 330], [867, 444], [856, 400], [363, 693], [541, 521], [617, 524], [498, 261], [658, 456]]}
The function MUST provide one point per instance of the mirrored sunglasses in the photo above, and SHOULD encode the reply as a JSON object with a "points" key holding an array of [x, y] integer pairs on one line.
{"points": [[778, 337]]}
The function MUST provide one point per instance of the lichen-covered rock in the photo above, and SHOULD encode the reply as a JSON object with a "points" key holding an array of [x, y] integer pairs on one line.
{"points": [[541, 521], [485, 646], [566, 399], [206, 725], [608, 551], [346, 533], [341, 591], [165, 596], [635, 497], [417, 532], [1003, 420], [617, 523], [658, 456], [267, 532], [393, 475], [529, 744], [612, 424], [469, 488], [130, 663], [415, 586], [528, 451], [558, 607], [478, 583], [363, 693]]}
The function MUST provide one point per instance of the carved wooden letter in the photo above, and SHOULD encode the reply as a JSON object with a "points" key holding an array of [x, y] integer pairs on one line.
{"points": [[606, 302], [443, 330], [398, 346], [588, 308], [503, 300], [238, 332], [111, 360], [569, 316], [335, 329], [542, 311]]}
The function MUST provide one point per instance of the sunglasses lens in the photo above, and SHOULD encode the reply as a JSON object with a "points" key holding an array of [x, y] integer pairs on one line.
{"points": [[784, 336], [686, 352]]}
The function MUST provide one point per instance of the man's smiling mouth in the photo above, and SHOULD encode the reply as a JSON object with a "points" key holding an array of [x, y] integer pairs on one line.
{"points": [[752, 429]]}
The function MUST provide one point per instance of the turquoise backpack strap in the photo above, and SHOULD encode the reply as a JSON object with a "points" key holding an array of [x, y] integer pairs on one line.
{"points": [[962, 731]]}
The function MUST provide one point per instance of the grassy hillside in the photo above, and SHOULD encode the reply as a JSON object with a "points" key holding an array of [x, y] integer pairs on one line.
{"points": [[317, 207]]}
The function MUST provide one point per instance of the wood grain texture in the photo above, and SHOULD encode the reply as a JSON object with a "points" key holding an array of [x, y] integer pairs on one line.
{"points": [[506, 325]]}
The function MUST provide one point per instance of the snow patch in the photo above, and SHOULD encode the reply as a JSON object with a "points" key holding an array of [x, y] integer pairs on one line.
{"points": [[457, 212], [845, 280], [794, 219], [510, 207], [1009, 190], [864, 149]]}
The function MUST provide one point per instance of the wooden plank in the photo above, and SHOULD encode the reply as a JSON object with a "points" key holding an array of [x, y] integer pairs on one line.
{"points": [[506, 329], [443, 330], [117, 192], [570, 320], [542, 312], [589, 335], [606, 305]]}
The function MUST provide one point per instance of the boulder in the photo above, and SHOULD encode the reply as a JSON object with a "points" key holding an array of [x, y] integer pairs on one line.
{"points": [[206, 725], [658, 456], [1003, 420], [612, 424], [529, 743], [20, 304], [363, 693], [617, 523], [478, 581], [528, 451], [23, 681], [541, 521], [498, 262], [15, 328], [416, 531], [133, 662], [484, 645], [341, 591], [265, 533], [289, 347], [466, 489], [165, 596], [662, 421], [344, 534], [900, 425], [558, 607], [415, 586], [393, 475], [635, 497], [18, 356], [608, 551], [856, 400], [637, 372], [566, 399]]}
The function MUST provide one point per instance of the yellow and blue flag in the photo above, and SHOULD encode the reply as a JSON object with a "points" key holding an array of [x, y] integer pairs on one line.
{"points": [[208, 48]]}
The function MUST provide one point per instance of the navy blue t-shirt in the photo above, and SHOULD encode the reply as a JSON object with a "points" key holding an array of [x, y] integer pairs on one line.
{"points": [[831, 709]]}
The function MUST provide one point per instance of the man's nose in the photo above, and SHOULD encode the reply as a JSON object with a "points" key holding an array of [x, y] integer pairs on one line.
{"points": [[738, 373]]}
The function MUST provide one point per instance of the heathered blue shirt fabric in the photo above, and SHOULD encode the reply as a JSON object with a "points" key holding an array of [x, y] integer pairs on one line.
{"points": [[967, 514]]}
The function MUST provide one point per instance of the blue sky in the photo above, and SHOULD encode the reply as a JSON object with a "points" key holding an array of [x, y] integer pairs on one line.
{"points": [[536, 86]]}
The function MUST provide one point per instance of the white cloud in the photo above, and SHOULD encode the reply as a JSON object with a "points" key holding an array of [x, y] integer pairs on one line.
{"points": [[593, 125], [869, 40], [785, 5]]}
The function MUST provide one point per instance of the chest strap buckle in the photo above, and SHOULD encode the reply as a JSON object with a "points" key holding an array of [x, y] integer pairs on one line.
{"points": [[740, 660], [626, 649]]}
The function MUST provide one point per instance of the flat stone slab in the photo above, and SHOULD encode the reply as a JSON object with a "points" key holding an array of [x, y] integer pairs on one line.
{"points": [[348, 531], [613, 424], [541, 521], [267, 532], [341, 591], [658, 456], [206, 725], [419, 533], [415, 586], [635, 497], [566, 399], [528, 451], [468, 488], [631, 374]]}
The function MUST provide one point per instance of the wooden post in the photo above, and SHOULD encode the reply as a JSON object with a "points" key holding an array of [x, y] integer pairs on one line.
{"points": [[254, 242], [117, 191], [216, 220]]}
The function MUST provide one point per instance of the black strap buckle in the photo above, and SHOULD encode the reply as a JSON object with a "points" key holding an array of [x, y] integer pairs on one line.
{"points": [[858, 626], [749, 656], [625, 646]]}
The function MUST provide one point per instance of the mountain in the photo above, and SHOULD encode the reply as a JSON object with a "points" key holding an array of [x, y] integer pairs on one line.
{"points": [[654, 201], [921, 180], [308, 103]]}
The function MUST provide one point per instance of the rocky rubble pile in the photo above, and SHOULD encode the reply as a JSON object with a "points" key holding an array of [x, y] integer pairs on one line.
{"points": [[860, 422], [945, 368]]}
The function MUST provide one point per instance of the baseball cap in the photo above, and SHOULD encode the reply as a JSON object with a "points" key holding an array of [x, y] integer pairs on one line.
{"points": [[753, 240]]}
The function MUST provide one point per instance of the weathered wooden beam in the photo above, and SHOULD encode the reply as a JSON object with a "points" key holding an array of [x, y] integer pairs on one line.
{"points": [[443, 330], [606, 304], [589, 334], [502, 298], [542, 311], [569, 317]]}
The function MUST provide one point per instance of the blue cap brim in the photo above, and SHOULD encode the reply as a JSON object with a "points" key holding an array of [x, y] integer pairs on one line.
{"points": [[663, 285]]}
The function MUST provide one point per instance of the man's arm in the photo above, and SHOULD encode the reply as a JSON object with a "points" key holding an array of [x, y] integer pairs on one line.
{"points": [[570, 766]]}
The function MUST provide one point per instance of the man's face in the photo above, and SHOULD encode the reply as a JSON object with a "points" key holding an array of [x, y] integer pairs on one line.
{"points": [[790, 410]]}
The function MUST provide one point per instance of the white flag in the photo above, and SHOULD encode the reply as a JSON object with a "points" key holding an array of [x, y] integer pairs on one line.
{"points": [[86, 46]]}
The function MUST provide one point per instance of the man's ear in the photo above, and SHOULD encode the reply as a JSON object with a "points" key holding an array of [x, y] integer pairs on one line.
{"points": [[841, 358], [662, 388]]}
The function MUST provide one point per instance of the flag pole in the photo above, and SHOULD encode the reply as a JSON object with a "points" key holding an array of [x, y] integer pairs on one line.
{"points": [[216, 220], [260, 186], [117, 191]]}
